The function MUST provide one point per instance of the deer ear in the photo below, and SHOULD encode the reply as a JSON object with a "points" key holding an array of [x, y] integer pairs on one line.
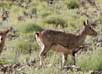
{"points": [[87, 21], [7, 30], [84, 23]]}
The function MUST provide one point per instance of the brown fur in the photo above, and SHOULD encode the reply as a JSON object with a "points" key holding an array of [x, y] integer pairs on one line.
{"points": [[66, 43], [5, 15], [3, 35]]}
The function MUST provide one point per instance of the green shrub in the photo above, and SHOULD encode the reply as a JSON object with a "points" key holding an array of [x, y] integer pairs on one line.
{"points": [[91, 61], [25, 43], [72, 4], [3, 61], [28, 28], [23, 46], [56, 20], [6, 5], [45, 14]]}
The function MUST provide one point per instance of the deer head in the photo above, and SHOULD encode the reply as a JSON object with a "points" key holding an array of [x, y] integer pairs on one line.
{"points": [[4, 33], [89, 29]]}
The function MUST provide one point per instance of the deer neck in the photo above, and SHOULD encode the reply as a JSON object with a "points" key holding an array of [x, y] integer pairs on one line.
{"points": [[82, 36]]}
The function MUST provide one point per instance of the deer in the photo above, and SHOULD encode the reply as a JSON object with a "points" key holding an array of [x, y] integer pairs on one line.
{"points": [[5, 15], [65, 43], [3, 35]]}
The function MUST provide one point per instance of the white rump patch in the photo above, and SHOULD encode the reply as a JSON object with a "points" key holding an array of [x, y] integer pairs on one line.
{"points": [[40, 43]]}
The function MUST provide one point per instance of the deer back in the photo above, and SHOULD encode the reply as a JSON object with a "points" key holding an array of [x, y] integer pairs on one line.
{"points": [[53, 37]]}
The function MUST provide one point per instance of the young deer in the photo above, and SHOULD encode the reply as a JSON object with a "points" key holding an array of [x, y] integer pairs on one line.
{"points": [[66, 43], [3, 35], [5, 15]]}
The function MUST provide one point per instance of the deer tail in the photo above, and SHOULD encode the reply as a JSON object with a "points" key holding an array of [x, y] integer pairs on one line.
{"points": [[37, 34]]}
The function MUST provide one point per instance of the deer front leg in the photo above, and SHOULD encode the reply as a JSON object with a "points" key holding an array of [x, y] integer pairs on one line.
{"points": [[1, 49], [73, 57], [64, 59], [73, 54]]}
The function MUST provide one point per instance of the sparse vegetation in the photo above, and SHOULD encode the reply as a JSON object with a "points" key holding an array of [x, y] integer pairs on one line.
{"points": [[72, 4], [63, 13], [29, 28], [56, 21]]}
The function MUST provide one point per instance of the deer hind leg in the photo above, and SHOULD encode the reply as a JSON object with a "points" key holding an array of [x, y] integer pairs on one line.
{"points": [[43, 53], [64, 59]]}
